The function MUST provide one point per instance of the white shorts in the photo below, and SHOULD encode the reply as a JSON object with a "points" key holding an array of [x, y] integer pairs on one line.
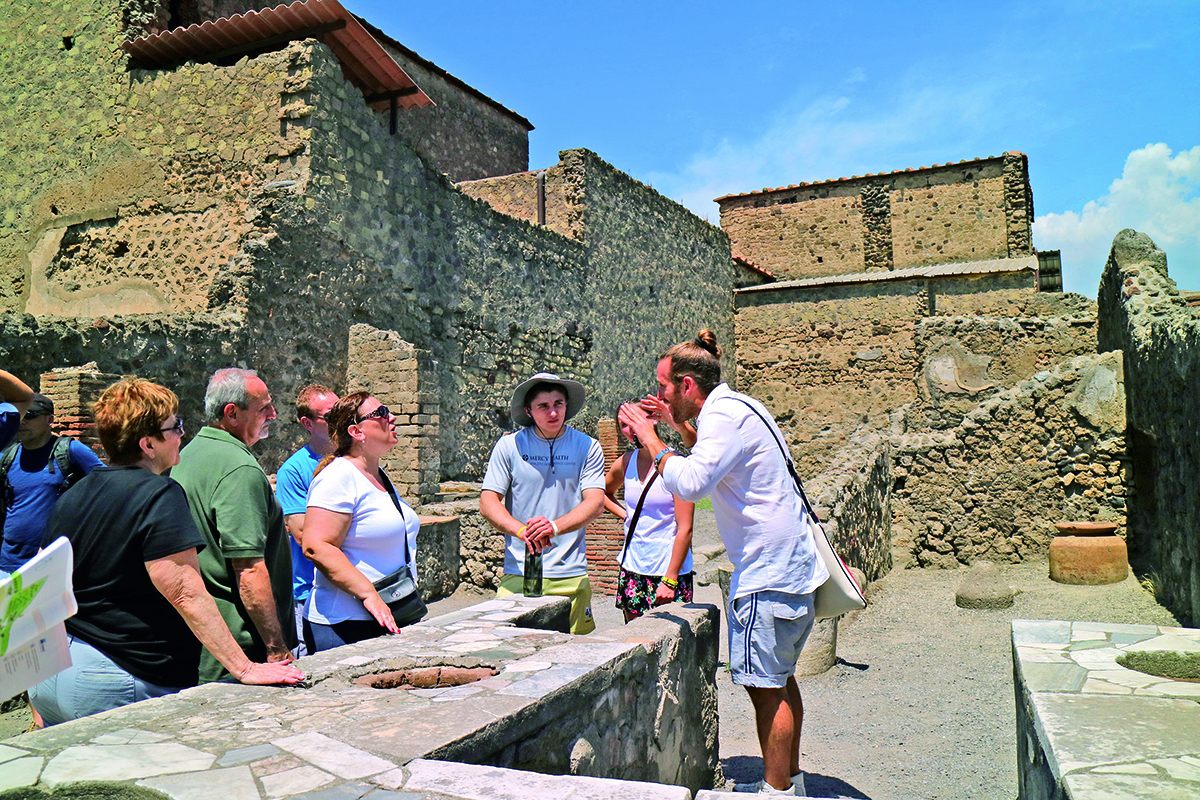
{"points": [[767, 631]]}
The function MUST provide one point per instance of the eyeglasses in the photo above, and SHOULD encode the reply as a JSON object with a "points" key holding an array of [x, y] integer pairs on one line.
{"points": [[32, 414], [177, 427], [383, 412]]}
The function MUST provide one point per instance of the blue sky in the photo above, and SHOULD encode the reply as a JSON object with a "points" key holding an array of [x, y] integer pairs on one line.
{"points": [[703, 99]]}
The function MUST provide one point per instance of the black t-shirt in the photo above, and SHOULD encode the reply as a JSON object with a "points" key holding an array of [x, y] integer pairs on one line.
{"points": [[117, 519]]}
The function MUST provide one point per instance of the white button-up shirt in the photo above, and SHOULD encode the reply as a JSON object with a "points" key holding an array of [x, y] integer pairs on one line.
{"points": [[760, 515]]}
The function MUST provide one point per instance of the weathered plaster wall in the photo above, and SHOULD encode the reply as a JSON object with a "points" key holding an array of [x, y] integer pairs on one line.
{"points": [[853, 498], [1051, 448], [967, 359], [130, 191], [968, 211], [824, 361], [1143, 315]]}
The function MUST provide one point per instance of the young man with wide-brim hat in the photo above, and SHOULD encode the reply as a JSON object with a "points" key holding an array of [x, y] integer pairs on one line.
{"points": [[543, 485]]}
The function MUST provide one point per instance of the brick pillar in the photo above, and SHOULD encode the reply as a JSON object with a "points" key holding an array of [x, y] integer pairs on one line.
{"points": [[73, 390], [606, 535], [401, 376]]}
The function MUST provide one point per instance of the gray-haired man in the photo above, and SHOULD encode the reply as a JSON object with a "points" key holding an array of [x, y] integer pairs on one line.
{"points": [[246, 563]]}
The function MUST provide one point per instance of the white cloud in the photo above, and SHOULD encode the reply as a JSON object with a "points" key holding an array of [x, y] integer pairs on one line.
{"points": [[846, 131], [1157, 194]]}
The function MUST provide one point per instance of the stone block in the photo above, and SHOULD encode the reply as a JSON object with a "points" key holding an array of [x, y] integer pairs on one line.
{"points": [[983, 587]]}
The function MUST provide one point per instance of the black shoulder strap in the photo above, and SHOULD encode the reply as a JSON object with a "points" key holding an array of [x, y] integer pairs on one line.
{"points": [[6, 461], [787, 459], [637, 512], [391, 490], [60, 455]]}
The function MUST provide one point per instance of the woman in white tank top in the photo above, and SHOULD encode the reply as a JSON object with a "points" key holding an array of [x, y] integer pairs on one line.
{"points": [[656, 561]]}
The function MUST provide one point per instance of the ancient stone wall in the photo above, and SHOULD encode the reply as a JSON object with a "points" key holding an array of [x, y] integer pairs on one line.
{"points": [[853, 498], [828, 355], [967, 359], [968, 211], [1050, 448], [665, 274], [464, 134], [549, 197], [1143, 315], [826, 360]]}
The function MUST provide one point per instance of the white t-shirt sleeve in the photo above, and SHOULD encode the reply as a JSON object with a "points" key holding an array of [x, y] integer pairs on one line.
{"points": [[717, 451], [498, 477], [592, 475], [333, 489]]}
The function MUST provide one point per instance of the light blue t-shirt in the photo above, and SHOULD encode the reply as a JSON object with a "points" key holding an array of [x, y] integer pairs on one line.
{"points": [[291, 489], [537, 477]]}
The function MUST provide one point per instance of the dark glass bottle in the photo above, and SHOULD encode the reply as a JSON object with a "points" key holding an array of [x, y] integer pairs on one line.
{"points": [[533, 573]]}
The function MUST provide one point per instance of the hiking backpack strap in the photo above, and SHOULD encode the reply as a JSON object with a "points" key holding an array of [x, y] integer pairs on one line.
{"points": [[60, 455]]}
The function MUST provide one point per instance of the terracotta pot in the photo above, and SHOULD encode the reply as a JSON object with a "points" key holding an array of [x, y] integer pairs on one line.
{"points": [[1089, 560]]}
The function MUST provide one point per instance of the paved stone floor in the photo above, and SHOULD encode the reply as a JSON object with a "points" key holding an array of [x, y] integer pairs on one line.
{"points": [[1107, 732]]}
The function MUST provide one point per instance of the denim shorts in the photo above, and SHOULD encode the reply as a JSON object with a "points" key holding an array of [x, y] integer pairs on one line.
{"points": [[767, 631], [93, 683]]}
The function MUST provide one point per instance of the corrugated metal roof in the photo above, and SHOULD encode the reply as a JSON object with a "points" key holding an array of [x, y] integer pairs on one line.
{"points": [[985, 267], [364, 61], [810, 184]]}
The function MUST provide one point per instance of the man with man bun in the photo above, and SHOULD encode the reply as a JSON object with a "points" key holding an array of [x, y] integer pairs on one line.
{"points": [[736, 460]]}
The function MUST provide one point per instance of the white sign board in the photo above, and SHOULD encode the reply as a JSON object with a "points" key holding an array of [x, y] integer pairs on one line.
{"points": [[34, 601]]}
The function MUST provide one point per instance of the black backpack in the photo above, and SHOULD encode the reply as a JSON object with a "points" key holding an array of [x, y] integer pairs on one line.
{"points": [[60, 458]]}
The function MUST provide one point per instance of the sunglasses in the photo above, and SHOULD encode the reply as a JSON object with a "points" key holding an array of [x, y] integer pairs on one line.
{"points": [[31, 414], [177, 427], [383, 412]]}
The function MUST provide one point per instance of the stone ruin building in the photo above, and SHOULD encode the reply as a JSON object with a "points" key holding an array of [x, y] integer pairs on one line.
{"points": [[195, 184]]}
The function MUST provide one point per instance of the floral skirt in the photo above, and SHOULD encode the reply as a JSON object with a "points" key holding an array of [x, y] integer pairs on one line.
{"points": [[635, 592]]}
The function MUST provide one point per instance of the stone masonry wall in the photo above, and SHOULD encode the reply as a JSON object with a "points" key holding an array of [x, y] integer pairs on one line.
{"points": [[1051, 448], [517, 196], [130, 192], [827, 358], [464, 134], [826, 361], [968, 211], [967, 359], [853, 498], [1143, 315], [399, 375]]}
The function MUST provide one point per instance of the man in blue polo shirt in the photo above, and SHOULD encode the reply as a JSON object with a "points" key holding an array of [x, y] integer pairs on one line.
{"points": [[37, 472], [291, 488], [15, 398]]}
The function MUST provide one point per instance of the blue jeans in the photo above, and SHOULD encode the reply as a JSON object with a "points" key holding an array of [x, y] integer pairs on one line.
{"points": [[93, 683], [318, 636]]}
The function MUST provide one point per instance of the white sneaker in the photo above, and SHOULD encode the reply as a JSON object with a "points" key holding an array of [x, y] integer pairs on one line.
{"points": [[762, 787]]}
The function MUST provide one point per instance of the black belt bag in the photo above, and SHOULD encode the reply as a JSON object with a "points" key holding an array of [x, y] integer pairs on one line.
{"points": [[399, 590]]}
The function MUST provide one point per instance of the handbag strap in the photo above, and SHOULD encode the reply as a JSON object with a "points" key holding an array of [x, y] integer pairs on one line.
{"points": [[391, 490], [787, 459], [637, 512]]}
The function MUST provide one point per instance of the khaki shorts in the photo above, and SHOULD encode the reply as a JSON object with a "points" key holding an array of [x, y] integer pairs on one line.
{"points": [[578, 588]]}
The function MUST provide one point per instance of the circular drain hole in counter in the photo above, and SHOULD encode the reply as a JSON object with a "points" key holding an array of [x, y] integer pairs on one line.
{"points": [[425, 677]]}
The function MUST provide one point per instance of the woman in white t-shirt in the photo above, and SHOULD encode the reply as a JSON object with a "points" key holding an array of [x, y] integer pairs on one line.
{"points": [[355, 531], [656, 561]]}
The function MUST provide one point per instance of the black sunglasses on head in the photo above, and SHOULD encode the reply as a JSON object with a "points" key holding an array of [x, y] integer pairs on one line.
{"points": [[383, 412]]}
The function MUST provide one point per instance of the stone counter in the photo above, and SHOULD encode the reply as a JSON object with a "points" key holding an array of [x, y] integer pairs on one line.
{"points": [[637, 704], [1090, 729]]}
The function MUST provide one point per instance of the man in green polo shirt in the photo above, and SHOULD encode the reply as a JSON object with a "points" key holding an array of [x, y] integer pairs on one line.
{"points": [[246, 563]]}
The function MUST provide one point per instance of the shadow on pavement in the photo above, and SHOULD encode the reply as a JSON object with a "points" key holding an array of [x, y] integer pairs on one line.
{"points": [[744, 769]]}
